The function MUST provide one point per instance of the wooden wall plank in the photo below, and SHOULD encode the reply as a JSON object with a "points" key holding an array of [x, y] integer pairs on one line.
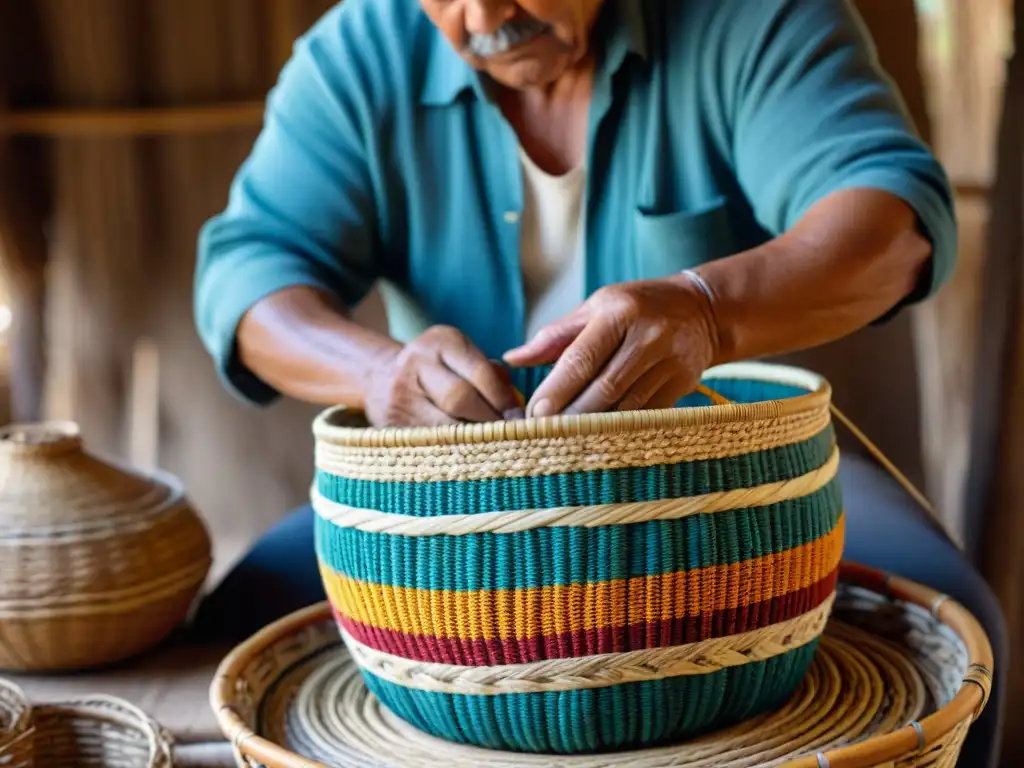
{"points": [[23, 248]]}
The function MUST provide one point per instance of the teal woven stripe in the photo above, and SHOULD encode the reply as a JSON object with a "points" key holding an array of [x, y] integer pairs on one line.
{"points": [[738, 390], [610, 486], [559, 556], [627, 716]]}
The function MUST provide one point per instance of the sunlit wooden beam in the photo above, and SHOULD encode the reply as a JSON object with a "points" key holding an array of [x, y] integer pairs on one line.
{"points": [[132, 122]]}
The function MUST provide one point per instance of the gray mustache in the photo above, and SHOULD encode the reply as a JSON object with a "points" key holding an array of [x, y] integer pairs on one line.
{"points": [[510, 35]]}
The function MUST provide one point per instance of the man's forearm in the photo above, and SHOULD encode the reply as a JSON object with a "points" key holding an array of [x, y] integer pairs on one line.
{"points": [[852, 258], [299, 342]]}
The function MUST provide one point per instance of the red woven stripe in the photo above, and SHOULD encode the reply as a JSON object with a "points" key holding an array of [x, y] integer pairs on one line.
{"points": [[655, 634]]}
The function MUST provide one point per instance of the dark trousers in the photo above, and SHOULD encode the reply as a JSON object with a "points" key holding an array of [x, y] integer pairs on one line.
{"points": [[884, 529]]}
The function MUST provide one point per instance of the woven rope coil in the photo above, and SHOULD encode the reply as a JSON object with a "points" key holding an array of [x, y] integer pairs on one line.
{"points": [[526, 584], [98, 561], [892, 685]]}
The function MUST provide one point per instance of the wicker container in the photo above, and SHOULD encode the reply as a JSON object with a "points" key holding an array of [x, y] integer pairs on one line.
{"points": [[899, 676], [98, 561], [98, 732], [553, 585], [15, 727]]}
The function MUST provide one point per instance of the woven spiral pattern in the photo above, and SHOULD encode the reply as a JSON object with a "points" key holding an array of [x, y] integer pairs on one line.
{"points": [[884, 666], [578, 545]]}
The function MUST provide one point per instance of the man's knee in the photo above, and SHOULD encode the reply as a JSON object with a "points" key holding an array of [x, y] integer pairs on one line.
{"points": [[277, 576], [886, 529]]}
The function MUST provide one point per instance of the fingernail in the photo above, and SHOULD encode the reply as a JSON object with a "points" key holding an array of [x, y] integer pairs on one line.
{"points": [[543, 408], [515, 414]]}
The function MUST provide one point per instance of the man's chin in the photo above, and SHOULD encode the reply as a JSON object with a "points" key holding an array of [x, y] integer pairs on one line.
{"points": [[527, 72]]}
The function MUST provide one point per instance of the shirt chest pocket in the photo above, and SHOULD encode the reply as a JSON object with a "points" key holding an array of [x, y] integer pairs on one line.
{"points": [[667, 243]]}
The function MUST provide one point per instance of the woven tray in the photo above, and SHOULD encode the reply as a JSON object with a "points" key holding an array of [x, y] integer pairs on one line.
{"points": [[899, 677]]}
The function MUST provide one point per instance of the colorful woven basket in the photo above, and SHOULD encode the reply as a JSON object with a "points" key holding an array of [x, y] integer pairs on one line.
{"points": [[899, 676], [580, 584]]}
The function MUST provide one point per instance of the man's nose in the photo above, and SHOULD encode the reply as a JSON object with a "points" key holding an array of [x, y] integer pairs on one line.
{"points": [[484, 17]]}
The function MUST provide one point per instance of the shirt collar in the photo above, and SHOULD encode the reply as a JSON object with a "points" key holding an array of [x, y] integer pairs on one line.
{"points": [[621, 28]]}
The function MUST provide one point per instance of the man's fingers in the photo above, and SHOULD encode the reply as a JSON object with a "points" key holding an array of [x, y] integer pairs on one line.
{"points": [[671, 392], [410, 407], [549, 343], [579, 365], [616, 381], [642, 392], [491, 382], [454, 395], [429, 415]]}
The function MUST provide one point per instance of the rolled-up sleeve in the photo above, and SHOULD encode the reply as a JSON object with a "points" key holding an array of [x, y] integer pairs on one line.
{"points": [[815, 113], [300, 209]]}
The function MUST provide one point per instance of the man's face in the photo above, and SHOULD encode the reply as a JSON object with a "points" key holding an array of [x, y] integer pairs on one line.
{"points": [[520, 43]]}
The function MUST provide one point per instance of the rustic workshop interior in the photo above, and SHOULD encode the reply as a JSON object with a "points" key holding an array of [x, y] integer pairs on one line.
{"points": [[122, 123]]}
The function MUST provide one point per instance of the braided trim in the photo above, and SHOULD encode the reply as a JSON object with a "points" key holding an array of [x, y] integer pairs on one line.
{"points": [[593, 516], [597, 671], [557, 455]]}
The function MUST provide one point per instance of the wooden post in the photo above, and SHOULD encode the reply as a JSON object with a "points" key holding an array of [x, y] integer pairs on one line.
{"points": [[24, 250], [282, 29], [995, 493]]}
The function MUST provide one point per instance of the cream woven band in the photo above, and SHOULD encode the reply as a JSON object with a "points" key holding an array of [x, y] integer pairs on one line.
{"points": [[595, 671], [580, 453], [373, 521]]}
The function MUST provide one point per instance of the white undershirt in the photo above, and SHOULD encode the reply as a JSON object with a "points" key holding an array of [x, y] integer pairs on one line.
{"points": [[551, 243]]}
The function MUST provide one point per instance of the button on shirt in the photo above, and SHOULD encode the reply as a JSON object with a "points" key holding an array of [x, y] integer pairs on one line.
{"points": [[713, 126]]}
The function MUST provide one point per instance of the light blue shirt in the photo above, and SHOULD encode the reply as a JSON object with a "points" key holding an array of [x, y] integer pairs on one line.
{"points": [[714, 125]]}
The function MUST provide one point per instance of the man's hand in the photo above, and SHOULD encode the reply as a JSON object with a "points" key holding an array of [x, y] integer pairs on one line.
{"points": [[439, 378], [631, 346]]}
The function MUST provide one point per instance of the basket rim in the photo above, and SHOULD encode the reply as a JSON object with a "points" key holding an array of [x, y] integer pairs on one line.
{"points": [[967, 704], [23, 716], [335, 425]]}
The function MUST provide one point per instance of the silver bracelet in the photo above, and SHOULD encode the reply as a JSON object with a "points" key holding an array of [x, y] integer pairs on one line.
{"points": [[701, 283]]}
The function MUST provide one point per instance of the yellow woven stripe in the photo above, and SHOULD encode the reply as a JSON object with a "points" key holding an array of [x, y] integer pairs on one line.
{"points": [[509, 614]]}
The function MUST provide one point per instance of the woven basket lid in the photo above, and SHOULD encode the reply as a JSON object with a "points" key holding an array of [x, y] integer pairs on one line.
{"points": [[49, 482]]}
